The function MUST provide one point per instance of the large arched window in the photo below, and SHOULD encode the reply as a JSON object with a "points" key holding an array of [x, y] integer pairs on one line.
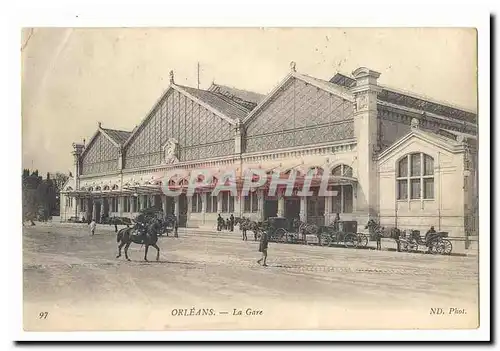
{"points": [[342, 202], [342, 171], [415, 177]]}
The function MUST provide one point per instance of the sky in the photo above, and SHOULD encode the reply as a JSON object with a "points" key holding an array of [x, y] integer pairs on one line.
{"points": [[74, 78]]}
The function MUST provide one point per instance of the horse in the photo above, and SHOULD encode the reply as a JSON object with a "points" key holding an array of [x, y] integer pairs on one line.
{"points": [[246, 224], [127, 236], [382, 232]]}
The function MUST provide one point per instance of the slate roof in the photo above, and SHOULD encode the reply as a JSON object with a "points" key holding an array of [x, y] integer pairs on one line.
{"points": [[248, 99], [119, 136], [221, 103], [411, 100]]}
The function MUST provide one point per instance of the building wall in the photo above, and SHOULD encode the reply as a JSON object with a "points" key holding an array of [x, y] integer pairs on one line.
{"points": [[444, 212], [301, 114], [200, 133]]}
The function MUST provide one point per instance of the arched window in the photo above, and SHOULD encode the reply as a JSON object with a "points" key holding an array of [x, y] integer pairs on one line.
{"points": [[342, 171], [315, 171], [342, 201], [415, 177]]}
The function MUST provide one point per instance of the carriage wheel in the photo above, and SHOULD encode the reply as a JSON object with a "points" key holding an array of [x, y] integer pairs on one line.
{"points": [[443, 247], [434, 247], [362, 240], [350, 241], [281, 235], [404, 246], [324, 239]]}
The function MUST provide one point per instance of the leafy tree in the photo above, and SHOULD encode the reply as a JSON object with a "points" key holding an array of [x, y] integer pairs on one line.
{"points": [[59, 180]]}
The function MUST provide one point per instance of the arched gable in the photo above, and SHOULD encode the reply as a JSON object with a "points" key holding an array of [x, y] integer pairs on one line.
{"points": [[200, 133], [100, 156], [299, 113]]}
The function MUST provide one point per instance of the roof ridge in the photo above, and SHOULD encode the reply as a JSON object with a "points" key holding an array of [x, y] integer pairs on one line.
{"points": [[222, 97], [426, 98]]}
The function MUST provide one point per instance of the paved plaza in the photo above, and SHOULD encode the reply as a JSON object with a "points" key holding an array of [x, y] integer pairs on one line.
{"points": [[77, 280]]}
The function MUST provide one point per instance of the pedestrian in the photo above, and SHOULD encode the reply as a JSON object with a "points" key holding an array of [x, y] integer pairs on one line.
{"points": [[116, 225], [92, 225], [264, 242], [220, 222], [231, 223], [176, 228]]}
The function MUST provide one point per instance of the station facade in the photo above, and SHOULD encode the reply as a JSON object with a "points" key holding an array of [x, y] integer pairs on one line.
{"points": [[404, 160]]}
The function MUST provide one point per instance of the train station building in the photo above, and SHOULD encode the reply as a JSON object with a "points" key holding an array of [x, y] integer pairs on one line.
{"points": [[402, 159]]}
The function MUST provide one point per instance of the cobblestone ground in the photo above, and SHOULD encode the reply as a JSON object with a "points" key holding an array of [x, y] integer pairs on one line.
{"points": [[77, 280]]}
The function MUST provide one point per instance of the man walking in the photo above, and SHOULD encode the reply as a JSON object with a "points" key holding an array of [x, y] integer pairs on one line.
{"points": [[231, 223], [92, 225], [219, 223], [264, 242]]}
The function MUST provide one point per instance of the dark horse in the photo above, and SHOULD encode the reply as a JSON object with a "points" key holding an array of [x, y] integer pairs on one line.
{"points": [[381, 232], [246, 224], [127, 236]]}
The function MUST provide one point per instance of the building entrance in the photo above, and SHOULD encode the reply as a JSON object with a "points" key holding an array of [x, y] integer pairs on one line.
{"points": [[270, 208], [183, 210], [292, 210]]}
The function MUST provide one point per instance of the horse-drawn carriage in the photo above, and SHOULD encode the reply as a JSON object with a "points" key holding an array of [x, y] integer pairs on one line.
{"points": [[342, 232], [278, 228], [434, 242]]}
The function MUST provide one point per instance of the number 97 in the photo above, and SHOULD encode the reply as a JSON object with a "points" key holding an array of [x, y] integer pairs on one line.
{"points": [[43, 315]]}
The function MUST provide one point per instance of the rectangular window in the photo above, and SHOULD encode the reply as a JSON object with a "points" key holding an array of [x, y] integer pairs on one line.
{"points": [[429, 188], [196, 203], [225, 202], [337, 200], [247, 204], [231, 203], [402, 189], [255, 202], [415, 188], [215, 203], [403, 167], [415, 164], [428, 165], [347, 197], [208, 201], [211, 203]]}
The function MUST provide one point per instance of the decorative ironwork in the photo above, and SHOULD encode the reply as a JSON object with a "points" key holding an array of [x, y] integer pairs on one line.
{"points": [[300, 115], [200, 134], [101, 156]]}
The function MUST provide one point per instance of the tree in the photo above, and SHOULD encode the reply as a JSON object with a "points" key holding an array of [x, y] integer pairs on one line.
{"points": [[59, 180], [29, 192]]}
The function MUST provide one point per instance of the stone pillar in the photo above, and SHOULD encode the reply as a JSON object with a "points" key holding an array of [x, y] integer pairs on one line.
{"points": [[189, 200], [121, 201], [237, 205], [176, 208], [328, 201], [219, 202], [366, 133], [102, 208], [281, 206], [164, 204], [203, 206], [303, 209], [94, 210], [237, 137], [260, 197]]}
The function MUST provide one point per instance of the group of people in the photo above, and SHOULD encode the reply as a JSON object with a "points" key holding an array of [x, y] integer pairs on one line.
{"points": [[227, 224]]}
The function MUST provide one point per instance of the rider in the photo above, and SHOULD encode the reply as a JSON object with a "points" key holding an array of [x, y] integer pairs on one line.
{"points": [[430, 232]]}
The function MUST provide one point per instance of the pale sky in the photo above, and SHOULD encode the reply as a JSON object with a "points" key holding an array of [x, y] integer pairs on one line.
{"points": [[73, 78]]}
